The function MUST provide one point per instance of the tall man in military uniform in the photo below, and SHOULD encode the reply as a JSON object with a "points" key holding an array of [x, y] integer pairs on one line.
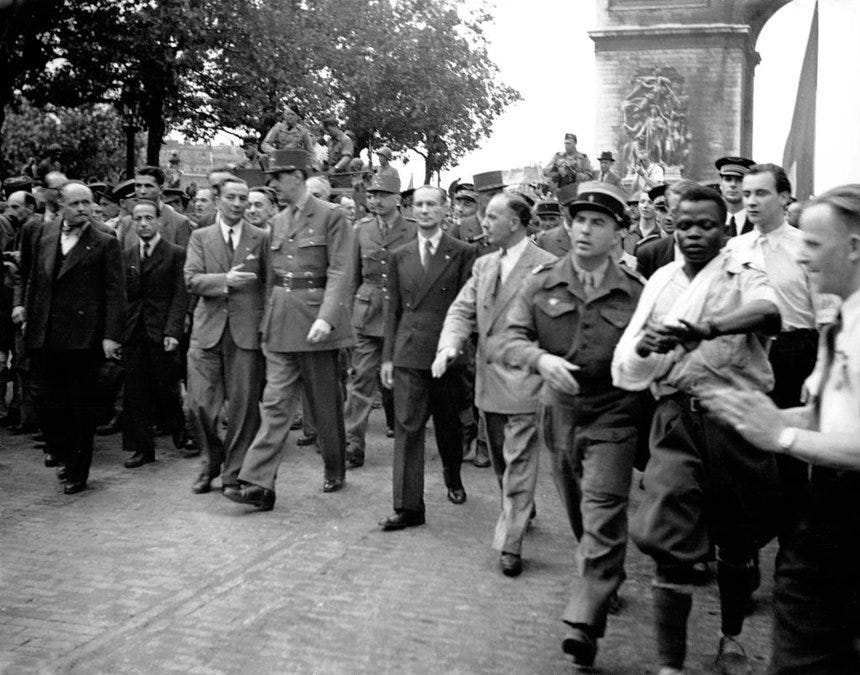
{"points": [[570, 166], [375, 237], [305, 324], [564, 324]]}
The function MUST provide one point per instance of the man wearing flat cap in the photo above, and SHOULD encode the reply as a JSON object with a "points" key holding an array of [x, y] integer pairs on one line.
{"points": [[570, 166], [732, 171], [606, 174], [305, 325], [375, 237], [564, 324]]}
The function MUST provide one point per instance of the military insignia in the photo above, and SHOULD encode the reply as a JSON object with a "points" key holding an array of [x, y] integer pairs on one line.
{"points": [[447, 257], [250, 256], [591, 198], [553, 302]]}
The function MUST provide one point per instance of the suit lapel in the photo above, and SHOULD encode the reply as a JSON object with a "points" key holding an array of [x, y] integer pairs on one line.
{"points": [[512, 284], [247, 243], [49, 244], [298, 221], [398, 233], [488, 281], [79, 251], [412, 265], [156, 255], [219, 246], [438, 262]]}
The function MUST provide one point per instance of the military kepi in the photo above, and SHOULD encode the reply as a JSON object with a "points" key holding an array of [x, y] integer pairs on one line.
{"points": [[385, 183], [603, 197], [489, 180], [291, 159], [733, 166]]}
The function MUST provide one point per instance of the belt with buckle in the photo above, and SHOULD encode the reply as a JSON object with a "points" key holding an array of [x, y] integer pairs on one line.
{"points": [[302, 283]]}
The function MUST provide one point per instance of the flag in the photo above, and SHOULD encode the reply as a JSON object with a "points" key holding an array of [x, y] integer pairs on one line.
{"points": [[798, 159]]}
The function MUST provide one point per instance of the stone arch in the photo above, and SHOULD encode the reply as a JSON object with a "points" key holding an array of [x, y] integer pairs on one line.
{"points": [[682, 87]]}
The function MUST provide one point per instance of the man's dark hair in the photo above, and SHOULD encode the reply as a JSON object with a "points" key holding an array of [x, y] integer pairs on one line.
{"points": [[519, 206], [443, 194], [780, 178], [147, 202], [699, 193], [154, 171], [267, 192], [228, 180]]}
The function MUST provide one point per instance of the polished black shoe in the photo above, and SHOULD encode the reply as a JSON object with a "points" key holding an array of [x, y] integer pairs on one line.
{"points": [[400, 520], [62, 474], [21, 429], [138, 459], [50, 460], [112, 427], [333, 485], [190, 449], [581, 646], [511, 564], [389, 432], [202, 485], [306, 440], [254, 495], [74, 486], [354, 458], [457, 495]]}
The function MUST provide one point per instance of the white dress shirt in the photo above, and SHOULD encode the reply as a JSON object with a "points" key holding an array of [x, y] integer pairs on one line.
{"points": [[69, 236], [234, 232], [152, 242], [434, 245], [511, 258]]}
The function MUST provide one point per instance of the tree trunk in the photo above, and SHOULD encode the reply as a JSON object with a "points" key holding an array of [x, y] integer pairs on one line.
{"points": [[154, 121]]}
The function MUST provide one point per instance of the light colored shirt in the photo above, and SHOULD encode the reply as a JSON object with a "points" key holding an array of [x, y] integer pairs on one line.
{"points": [[777, 253], [835, 382], [146, 252], [728, 360], [69, 236], [230, 233], [434, 245], [653, 177], [590, 279], [511, 257]]}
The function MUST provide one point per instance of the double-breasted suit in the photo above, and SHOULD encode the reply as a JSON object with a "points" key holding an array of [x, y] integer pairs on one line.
{"points": [[419, 299], [307, 278], [224, 358], [369, 286], [507, 397], [73, 302], [156, 305]]}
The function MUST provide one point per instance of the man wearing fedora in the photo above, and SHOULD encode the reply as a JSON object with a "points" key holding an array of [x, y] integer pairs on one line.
{"points": [[306, 323], [606, 174], [375, 237]]}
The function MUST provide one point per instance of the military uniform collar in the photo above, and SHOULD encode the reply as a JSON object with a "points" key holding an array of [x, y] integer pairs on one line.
{"points": [[564, 274]]}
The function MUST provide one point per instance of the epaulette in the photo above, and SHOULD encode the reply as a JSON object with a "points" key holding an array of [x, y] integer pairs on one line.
{"points": [[544, 266], [633, 274]]}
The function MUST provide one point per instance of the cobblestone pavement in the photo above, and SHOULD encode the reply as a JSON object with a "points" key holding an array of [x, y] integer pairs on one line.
{"points": [[139, 575]]}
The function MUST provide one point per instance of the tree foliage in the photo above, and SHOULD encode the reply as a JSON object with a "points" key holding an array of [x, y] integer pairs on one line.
{"points": [[410, 73]]}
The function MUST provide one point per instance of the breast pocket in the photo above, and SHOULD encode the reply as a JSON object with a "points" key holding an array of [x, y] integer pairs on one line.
{"points": [[312, 255]]}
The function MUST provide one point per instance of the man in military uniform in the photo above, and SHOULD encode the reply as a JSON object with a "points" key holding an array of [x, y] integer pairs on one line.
{"points": [[564, 324], [287, 133], [306, 323], [340, 146], [557, 239], [548, 212], [385, 156], [732, 171], [375, 237], [253, 159], [569, 167]]}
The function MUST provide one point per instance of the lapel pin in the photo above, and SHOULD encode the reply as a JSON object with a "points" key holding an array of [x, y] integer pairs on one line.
{"points": [[447, 257]]}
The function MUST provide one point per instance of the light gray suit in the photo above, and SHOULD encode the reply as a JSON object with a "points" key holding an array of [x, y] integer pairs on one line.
{"points": [[507, 397], [224, 359]]}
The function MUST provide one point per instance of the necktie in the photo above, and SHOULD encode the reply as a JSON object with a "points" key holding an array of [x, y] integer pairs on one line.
{"points": [[428, 253], [733, 226], [748, 226], [383, 228], [230, 240], [145, 250], [586, 278], [499, 282]]}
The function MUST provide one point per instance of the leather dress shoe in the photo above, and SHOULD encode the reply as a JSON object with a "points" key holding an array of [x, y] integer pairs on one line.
{"points": [[306, 440], [21, 429], [50, 460], [190, 449], [456, 495], [110, 428], [254, 495], [581, 646], [333, 484], [138, 459], [400, 520], [74, 486], [62, 474], [511, 564], [202, 485], [354, 458]]}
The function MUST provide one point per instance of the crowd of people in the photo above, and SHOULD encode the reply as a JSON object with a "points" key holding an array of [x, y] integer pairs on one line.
{"points": [[698, 332]]}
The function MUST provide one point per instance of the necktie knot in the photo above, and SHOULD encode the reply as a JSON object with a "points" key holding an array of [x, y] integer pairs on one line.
{"points": [[146, 248]]}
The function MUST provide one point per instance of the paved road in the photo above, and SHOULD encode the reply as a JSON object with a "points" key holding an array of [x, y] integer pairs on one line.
{"points": [[138, 575]]}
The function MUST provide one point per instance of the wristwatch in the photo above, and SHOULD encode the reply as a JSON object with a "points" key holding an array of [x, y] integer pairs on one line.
{"points": [[787, 438]]}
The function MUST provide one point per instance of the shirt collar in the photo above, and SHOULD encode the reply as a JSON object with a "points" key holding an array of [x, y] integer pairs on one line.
{"points": [[514, 252], [225, 228], [597, 274], [773, 234], [153, 242], [850, 308], [299, 206], [434, 240]]}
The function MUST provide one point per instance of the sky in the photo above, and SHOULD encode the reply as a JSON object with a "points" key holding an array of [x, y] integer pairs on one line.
{"points": [[543, 49]]}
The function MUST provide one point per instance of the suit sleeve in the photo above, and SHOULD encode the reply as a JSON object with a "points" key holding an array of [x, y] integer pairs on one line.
{"points": [[179, 302], [516, 345], [461, 318], [644, 263], [355, 272], [21, 276], [183, 231], [114, 285], [340, 251], [197, 280], [393, 310]]}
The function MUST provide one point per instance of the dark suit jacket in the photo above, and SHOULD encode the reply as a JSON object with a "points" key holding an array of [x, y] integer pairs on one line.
{"points": [[652, 255], [86, 302], [370, 265], [419, 300], [611, 177], [206, 265], [155, 291], [175, 228]]}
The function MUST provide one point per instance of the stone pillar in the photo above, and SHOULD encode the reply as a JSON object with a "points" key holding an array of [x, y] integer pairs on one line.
{"points": [[676, 77]]}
